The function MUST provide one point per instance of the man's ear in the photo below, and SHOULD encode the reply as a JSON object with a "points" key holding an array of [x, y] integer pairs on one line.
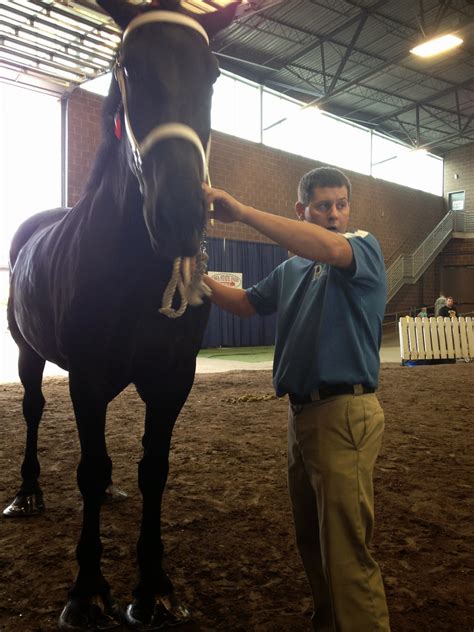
{"points": [[217, 20], [300, 210]]}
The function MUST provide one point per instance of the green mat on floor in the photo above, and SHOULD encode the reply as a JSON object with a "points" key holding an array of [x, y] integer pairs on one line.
{"points": [[240, 354]]}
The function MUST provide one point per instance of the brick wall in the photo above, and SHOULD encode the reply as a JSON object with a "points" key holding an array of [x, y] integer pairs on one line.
{"points": [[83, 137], [460, 162], [267, 178], [423, 293], [458, 252]]}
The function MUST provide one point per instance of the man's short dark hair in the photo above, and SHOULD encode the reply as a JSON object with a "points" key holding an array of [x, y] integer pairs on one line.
{"points": [[321, 177]]}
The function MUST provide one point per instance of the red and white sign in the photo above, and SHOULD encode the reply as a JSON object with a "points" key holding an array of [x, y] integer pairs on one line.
{"points": [[232, 279]]}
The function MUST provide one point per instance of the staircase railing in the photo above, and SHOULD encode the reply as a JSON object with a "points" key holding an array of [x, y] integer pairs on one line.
{"points": [[409, 268]]}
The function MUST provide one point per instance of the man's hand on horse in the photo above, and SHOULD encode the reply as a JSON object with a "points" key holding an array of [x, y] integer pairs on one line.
{"points": [[226, 208]]}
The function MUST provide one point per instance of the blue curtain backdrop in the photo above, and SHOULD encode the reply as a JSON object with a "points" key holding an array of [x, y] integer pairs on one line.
{"points": [[255, 261]]}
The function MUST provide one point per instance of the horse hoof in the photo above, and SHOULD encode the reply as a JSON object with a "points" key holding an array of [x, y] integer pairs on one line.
{"points": [[114, 494], [178, 613], [78, 616], [24, 506], [166, 612]]}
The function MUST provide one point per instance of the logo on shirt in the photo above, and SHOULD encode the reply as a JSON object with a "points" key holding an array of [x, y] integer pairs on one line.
{"points": [[317, 271], [358, 233]]}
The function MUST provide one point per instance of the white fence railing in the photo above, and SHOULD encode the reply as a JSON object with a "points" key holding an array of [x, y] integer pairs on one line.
{"points": [[431, 339], [409, 268]]}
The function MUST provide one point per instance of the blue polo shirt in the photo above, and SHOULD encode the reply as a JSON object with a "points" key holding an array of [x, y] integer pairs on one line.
{"points": [[329, 320]]}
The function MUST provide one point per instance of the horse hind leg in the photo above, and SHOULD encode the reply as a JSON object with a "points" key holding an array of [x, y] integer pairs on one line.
{"points": [[29, 499]]}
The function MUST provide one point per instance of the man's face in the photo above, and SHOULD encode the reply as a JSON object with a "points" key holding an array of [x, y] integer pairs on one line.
{"points": [[449, 302], [329, 208]]}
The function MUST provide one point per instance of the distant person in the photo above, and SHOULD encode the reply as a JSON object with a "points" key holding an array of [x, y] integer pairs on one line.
{"points": [[423, 313], [449, 310], [439, 303]]}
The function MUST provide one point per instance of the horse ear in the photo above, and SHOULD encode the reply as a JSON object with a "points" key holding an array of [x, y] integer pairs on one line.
{"points": [[121, 12], [217, 20]]}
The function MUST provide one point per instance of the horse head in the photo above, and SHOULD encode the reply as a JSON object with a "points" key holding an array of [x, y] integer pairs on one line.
{"points": [[165, 71]]}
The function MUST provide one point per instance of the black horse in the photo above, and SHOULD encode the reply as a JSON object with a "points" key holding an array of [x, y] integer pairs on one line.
{"points": [[93, 290]]}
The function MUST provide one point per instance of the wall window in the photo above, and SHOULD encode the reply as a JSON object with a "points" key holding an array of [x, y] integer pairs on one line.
{"points": [[236, 108], [279, 120], [249, 111], [314, 134], [30, 158], [398, 163], [30, 166]]}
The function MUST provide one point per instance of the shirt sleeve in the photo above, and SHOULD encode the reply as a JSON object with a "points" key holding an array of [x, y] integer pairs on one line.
{"points": [[369, 265], [264, 295]]}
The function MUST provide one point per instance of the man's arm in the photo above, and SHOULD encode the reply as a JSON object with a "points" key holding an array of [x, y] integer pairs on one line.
{"points": [[302, 238], [233, 300]]}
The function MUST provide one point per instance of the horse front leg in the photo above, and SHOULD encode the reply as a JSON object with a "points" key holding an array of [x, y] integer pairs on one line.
{"points": [[155, 604], [29, 499], [90, 605]]}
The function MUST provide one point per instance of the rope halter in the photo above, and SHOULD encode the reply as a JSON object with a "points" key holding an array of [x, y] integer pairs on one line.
{"points": [[190, 286]]}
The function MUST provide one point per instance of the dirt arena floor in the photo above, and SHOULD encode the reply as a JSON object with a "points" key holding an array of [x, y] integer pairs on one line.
{"points": [[227, 527]]}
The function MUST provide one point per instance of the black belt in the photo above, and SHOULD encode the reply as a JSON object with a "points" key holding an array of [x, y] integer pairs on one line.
{"points": [[330, 391]]}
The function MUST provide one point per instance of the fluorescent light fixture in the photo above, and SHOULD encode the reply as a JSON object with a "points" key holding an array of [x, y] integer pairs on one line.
{"points": [[436, 46]]}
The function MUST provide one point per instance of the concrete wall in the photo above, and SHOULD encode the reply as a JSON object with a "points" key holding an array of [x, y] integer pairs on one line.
{"points": [[460, 163]]}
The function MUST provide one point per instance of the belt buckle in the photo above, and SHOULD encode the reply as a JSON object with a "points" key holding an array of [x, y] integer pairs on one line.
{"points": [[315, 396]]}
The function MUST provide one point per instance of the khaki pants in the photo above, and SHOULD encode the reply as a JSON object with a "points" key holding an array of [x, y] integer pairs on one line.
{"points": [[332, 448]]}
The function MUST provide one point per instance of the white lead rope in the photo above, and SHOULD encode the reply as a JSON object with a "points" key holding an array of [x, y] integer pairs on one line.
{"points": [[191, 288]]}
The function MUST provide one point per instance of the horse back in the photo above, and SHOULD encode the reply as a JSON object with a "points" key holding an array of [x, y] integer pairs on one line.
{"points": [[31, 226]]}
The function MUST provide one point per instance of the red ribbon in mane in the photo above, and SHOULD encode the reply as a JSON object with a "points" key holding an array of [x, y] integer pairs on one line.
{"points": [[118, 126]]}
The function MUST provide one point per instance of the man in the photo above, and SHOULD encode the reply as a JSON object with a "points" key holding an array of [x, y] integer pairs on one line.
{"points": [[439, 303], [330, 301], [448, 310]]}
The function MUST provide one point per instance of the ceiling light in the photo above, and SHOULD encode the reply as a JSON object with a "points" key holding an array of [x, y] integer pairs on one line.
{"points": [[436, 46]]}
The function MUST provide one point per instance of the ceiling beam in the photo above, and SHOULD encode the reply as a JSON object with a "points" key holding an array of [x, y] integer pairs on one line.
{"points": [[371, 73], [427, 100], [349, 50], [329, 36], [66, 45], [83, 37], [443, 120], [367, 75]]}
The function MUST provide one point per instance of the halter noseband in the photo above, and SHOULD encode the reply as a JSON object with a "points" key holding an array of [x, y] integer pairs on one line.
{"points": [[167, 130]]}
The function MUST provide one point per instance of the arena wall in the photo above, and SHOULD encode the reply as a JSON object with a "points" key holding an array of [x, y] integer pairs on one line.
{"points": [[267, 178], [459, 173]]}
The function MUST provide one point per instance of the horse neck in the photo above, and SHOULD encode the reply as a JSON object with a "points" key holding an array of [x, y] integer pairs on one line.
{"points": [[112, 206]]}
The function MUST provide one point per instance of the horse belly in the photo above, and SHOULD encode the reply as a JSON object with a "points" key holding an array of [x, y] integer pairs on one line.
{"points": [[32, 311]]}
